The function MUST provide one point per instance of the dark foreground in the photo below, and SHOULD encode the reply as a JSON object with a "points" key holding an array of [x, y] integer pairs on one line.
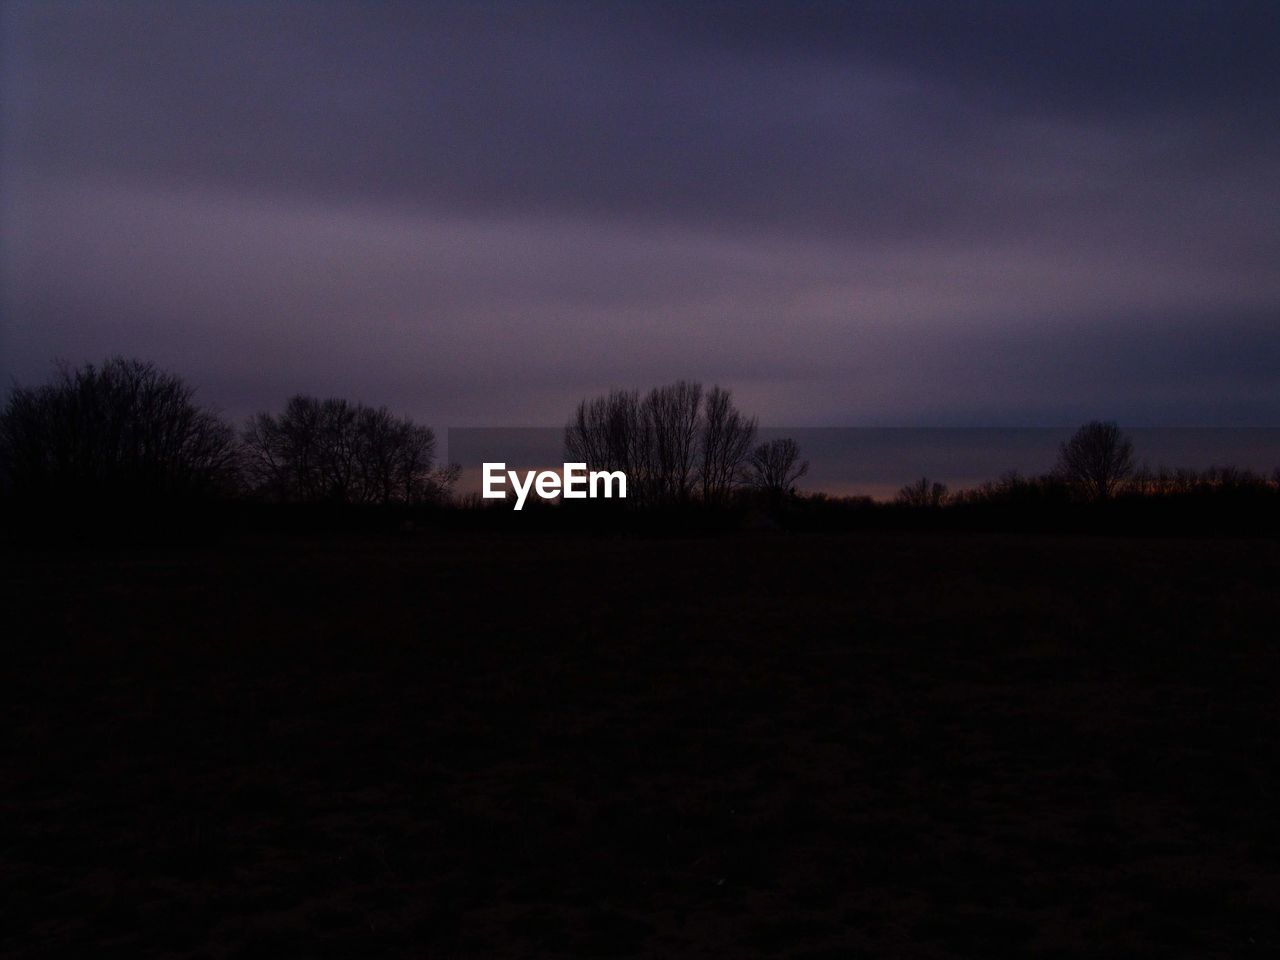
{"points": [[792, 745]]}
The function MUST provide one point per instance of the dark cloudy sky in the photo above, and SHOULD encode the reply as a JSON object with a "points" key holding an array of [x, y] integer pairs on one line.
{"points": [[907, 213]]}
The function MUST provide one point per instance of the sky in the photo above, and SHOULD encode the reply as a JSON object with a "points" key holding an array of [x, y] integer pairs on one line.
{"points": [[920, 214]]}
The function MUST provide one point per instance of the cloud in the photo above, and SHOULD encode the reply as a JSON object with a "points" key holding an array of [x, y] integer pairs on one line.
{"points": [[851, 214]]}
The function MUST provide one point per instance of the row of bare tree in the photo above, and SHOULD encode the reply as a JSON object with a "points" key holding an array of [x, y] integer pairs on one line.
{"points": [[126, 429], [678, 443]]}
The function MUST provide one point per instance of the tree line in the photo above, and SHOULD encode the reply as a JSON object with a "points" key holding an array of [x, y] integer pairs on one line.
{"points": [[1097, 464], [127, 430]]}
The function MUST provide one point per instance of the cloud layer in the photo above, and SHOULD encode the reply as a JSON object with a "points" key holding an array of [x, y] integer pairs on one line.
{"points": [[476, 214]]}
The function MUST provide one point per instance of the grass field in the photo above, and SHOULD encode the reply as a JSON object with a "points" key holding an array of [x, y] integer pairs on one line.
{"points": [[808, 746]]}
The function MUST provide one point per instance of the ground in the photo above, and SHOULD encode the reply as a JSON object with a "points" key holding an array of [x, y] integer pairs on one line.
{"points": [[806, 746]]}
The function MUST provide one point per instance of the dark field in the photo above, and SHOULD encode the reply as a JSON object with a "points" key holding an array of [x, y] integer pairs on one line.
{"points": [[911, 746]]}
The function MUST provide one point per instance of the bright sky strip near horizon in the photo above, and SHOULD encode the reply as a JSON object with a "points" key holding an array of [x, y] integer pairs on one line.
{"points": [[917, 214], [876, 462]]}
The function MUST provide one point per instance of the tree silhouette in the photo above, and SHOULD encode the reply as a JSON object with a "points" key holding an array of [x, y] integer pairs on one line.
{"points": [[122, 429], [774, 468], [612, 432], [334, 450], [727, 437], [923, 494], [672, 412], [675, 443], [1096, 460]]}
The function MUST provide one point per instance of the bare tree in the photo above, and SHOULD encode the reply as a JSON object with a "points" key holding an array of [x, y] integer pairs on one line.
{"points": [[727, 437], [416, 479], [344, 452], [674, 443], [340, 451], [921, 493], [774, 468], [1096, 460], [122, 429], [672, 413], [611, 432], [379, 439], [284, 455], [653, 440]]}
